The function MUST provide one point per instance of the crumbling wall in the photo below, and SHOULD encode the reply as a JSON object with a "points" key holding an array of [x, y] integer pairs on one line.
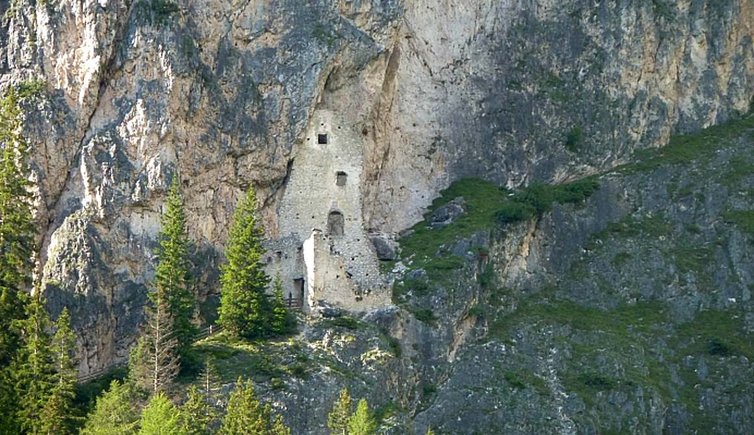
{"points": [[343, 258]]}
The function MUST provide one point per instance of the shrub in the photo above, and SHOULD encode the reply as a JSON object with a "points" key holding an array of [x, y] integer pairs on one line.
{"points": [[717, 347], [424, 315], [514, 212], [574, 139]]}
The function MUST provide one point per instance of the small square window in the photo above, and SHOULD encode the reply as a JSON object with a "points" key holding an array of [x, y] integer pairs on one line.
{"points": [[341, 178], [322, 139]]}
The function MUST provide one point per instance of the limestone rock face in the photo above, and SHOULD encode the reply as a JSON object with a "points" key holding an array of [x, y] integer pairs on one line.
{"points": [[224, 94]]}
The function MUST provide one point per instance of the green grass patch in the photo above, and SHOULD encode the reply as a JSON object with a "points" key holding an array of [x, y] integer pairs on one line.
{"points": [[635, 226], [716, 333], [692, 259], [525, 379], [621, 259], [737, 169], [487, 206], [236, 357], [684, 149], [743, 219], [423, 315]]}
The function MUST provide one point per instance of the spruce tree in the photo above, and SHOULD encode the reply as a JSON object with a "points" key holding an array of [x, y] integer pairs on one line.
{"points": [[244, 306], [282, 319], [172, 273], [34, 367], [247, 415], [17, 248], [58, 414], [161, 417], [244, 414], [279, 427], [199, 414], [337, 420], [115, 413], [362, 422]]}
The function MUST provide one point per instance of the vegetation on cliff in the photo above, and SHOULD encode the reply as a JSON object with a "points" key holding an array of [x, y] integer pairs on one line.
{"points": [[246, 310]]}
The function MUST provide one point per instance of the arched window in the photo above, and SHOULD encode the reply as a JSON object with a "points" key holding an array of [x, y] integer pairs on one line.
{"points": [[335, 223]]}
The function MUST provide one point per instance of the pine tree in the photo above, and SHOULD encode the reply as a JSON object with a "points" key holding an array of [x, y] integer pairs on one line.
{"points": [[17, 248], [337, 420], [199, 414], [244, 306], [161, 417], [244, 414], [34, 367], [282, 319], [279, 427], [172, 273], [362, 422], [247, 415], [58, 412], [115, 413]]}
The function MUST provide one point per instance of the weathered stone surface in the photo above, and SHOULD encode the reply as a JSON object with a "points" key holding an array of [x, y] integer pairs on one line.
{"points": [[513, 91], [448, 213], [384, 246]]}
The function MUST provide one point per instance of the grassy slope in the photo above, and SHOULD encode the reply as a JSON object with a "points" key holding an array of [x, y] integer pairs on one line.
{"points": [[643, 339]]}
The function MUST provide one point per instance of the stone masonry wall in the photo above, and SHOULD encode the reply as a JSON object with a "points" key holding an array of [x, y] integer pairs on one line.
{"points": [[345, 266]]}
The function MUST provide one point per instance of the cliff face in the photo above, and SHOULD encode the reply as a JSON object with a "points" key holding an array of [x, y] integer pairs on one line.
{"points": [[224, 94]]}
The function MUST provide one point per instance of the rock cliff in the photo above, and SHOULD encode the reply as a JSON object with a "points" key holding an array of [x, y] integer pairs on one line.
{"points": [[223, 93]]}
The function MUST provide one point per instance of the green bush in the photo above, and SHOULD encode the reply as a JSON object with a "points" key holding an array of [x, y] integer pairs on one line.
{"points": [[717, 347], [574, 139], [344, 322], [511, 212], [596, 381], [424, 315]]}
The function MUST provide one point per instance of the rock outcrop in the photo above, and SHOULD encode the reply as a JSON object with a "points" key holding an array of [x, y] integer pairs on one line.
{"points": [[223, 94]]}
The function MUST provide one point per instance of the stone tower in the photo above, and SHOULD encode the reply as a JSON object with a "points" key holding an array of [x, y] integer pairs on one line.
{"points": [[324, 254]]}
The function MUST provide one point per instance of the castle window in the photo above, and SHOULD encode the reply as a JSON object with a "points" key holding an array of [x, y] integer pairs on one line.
{"points": [[341, 178], [335, 223], [322, 139]]}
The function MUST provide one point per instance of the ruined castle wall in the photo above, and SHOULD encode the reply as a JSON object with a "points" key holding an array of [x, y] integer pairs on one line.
{"points": [[344, 258]]}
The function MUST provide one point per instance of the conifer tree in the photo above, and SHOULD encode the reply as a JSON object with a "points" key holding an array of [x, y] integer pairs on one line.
{"points": [[17, 248], [58, 413], [161, 417], [362, 422], [154, 361], [247, 415], [244, 414], [172, 273], [33, 368], [337, 420], [282, 319], [209, 380], [279, 427], [244, 306], [199, 414], [115, 413]]}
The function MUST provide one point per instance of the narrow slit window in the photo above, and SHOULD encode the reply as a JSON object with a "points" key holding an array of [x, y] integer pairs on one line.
{"points": [[322, 139]]}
